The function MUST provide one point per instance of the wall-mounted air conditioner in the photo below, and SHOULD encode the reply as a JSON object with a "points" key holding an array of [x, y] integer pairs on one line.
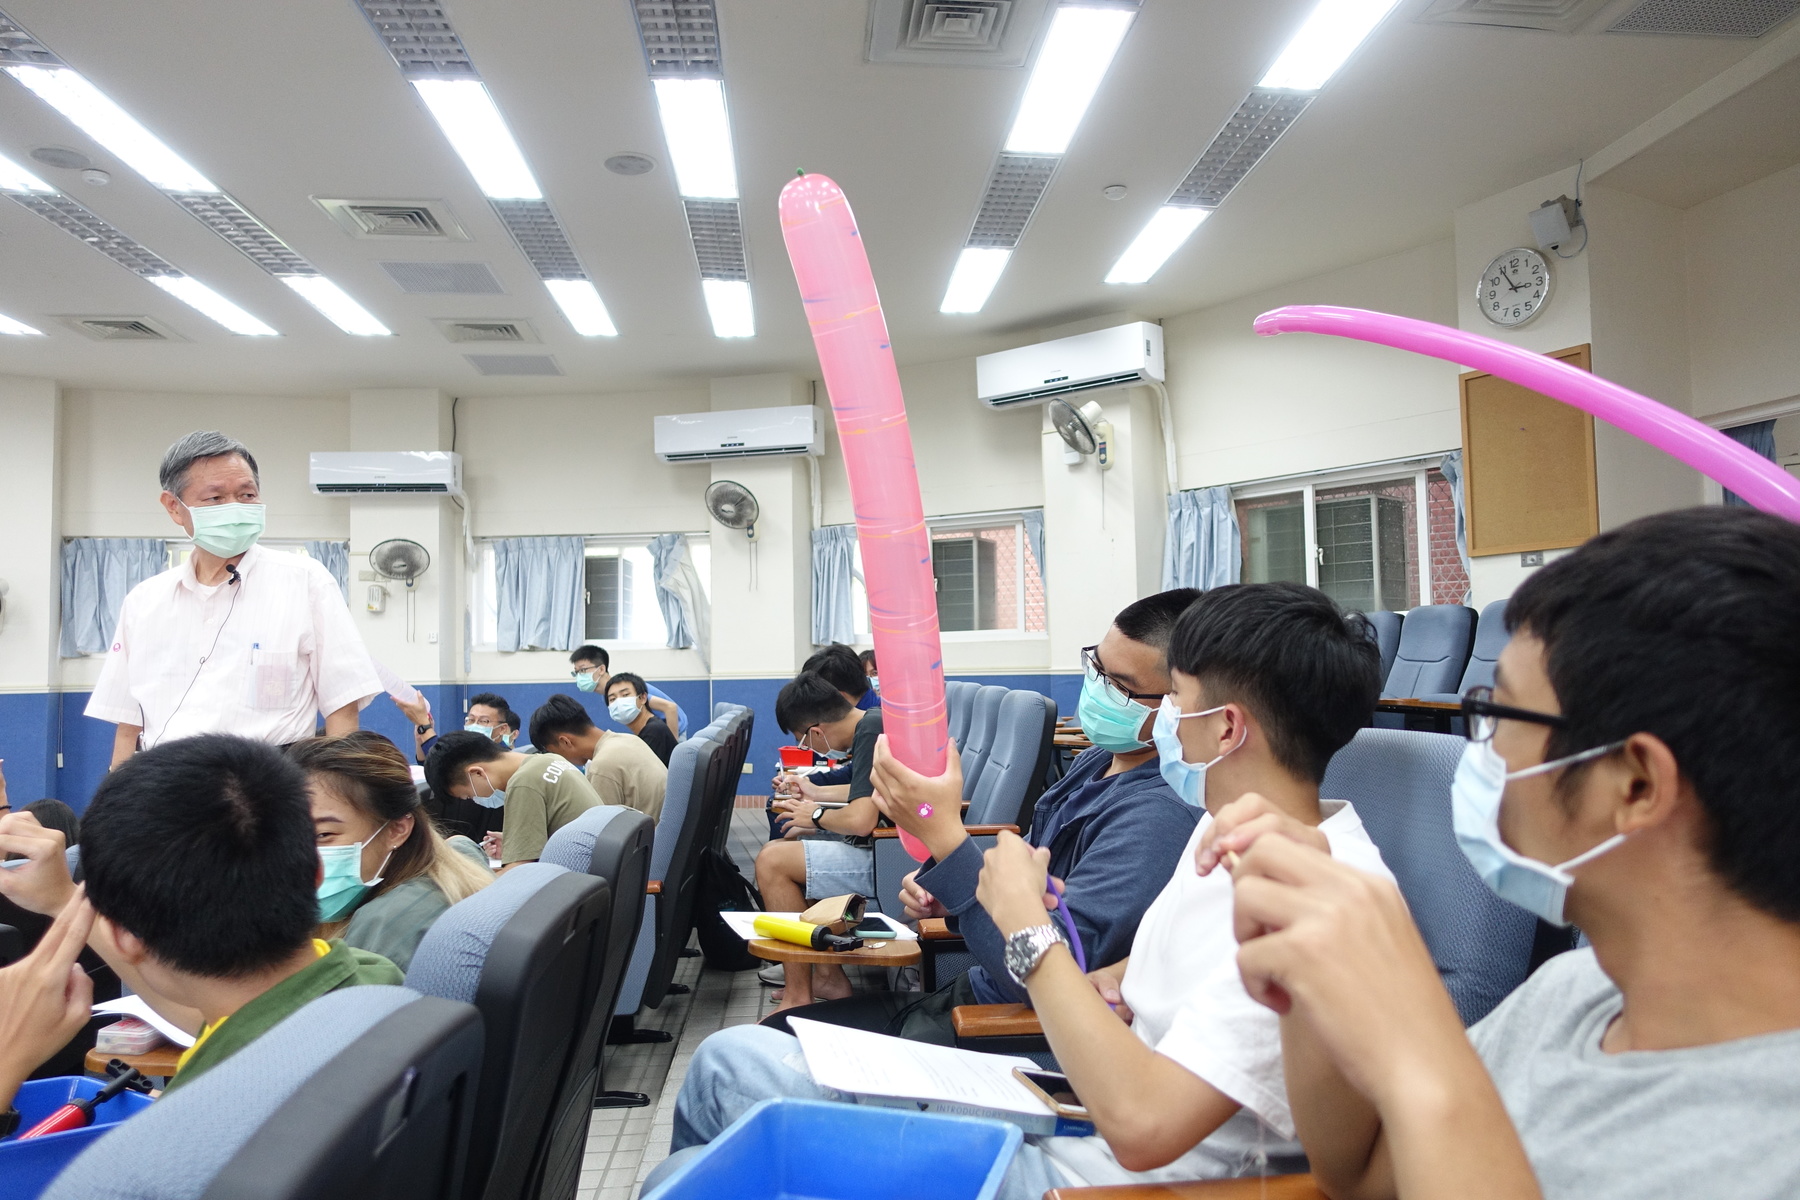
{"points": [[1087, 362], [386, 472], [739, 433]]}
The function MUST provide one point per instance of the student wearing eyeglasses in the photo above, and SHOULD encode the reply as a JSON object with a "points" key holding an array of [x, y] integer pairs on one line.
{"points": [[1631, 772]]}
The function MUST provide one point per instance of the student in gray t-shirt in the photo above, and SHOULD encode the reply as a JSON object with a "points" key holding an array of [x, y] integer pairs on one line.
{"points": [[1643, 734]]}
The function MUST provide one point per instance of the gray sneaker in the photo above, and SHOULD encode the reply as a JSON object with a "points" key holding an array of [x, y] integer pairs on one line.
{"points": [[773, 975]]}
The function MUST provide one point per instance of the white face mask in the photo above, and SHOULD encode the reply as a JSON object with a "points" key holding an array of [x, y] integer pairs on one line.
{"points": [[1475, 795]]}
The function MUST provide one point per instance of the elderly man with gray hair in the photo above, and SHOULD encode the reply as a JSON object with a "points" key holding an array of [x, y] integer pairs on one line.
{"points": [[237, 639]]}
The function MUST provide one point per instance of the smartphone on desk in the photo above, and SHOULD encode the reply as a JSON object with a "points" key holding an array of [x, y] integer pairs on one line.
{"points": [[1052, 1087], [874, 927]]}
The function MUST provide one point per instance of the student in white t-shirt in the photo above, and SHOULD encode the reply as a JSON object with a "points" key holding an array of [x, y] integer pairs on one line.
{"points": [[1270, 681]]}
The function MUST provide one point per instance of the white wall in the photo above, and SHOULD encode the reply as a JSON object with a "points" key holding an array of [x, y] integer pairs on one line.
{"points": [[1743, 265], [31, 415]]}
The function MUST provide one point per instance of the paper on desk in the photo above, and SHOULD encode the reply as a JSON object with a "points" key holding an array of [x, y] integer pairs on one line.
{"points": [[743, 924], [873, 1064], [134, 1006]]}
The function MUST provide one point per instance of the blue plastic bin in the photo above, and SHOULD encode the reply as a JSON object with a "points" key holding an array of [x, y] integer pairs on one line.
{"points": [[811, 1150], [26, 1168]]}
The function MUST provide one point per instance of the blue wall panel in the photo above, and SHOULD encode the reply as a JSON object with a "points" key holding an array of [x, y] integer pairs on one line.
{"points": [[28, 745]]}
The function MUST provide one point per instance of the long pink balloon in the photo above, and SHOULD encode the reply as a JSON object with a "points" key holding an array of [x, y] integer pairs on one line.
{"points": [[852, 340], [1762, 483]]}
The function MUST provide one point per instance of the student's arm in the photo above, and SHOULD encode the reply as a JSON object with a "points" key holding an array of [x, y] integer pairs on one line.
{"points": [[666, 709], [1364, 1015], [1150, 1109], [527, 819], [44, 998], [125, 742], [343, 720]]}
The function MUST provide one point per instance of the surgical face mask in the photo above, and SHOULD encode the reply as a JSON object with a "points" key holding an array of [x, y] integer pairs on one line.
{"points": [[343, 886], [227, 530], [875, 682], [624, 710], [830, 754], [1475, 794], [1186, 779], [494, 799], [586, 681], [486, 731], [1109, 720]]}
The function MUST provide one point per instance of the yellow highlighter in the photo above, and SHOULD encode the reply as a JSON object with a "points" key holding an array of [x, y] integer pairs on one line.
{"points": [[802, 933]]}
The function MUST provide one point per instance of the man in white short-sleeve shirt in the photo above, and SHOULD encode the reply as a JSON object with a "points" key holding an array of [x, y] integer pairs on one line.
{"points": [[238, 639]]}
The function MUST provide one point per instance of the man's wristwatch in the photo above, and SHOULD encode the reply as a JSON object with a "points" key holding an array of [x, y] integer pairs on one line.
{"points": [[817, 816], [424, 729], [1026, 949]]}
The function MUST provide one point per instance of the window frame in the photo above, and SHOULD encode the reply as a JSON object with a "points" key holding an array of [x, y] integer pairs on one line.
{"points": [[956, 523], [485, 635]]}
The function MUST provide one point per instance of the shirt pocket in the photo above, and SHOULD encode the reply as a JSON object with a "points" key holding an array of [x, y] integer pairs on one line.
{"points": [[272, 679]]}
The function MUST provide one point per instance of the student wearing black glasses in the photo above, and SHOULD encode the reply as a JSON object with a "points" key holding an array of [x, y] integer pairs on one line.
{"points": [[1632, 772]]}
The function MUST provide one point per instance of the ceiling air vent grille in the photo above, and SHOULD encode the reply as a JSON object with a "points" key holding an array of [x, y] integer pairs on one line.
{"points": [[514, 364], [681, 37], [1554, 16], [120, 329], [420, 37], [444, 278], [1252, 130], [77, 221], [717, 231], [965, 25], [412, 220], [964, 33], [254, 240], [1014, 188], [1706, 18], [486, 331], [540, 238]]}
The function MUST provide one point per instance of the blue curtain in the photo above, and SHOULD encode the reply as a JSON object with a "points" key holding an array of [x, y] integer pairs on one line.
{"points": [[335, 557], [1451, 469], [1202, 549], [96, 574], [1034, 536], [833, 571], [1758, 436], [686, 612], [538, 583]]}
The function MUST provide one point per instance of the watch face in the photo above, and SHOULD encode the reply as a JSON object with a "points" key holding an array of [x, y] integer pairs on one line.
{"points": [[1514, 287]]}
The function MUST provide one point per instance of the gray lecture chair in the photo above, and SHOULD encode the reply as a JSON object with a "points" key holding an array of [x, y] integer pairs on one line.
{"points": [[1386, 627], [366, 1091], [1399, 782], [1434, 647], [959, 703], [613, 844], [1491, 637], [522, 951], [984, 719]]}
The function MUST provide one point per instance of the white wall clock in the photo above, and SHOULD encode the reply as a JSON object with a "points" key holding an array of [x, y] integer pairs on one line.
{"points": [[1513, 288]]}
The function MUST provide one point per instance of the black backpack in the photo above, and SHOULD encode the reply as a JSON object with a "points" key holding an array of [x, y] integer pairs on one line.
{"points": [[723, 888]]}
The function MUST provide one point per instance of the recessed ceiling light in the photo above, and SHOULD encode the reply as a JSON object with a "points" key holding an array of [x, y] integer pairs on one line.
{"points": [[12, 328], [631, 164], [1329, 37], [698, 132], [581, 304], [62, 158], [336, 305], [477, 132], [978, 269], [70, 93], [198, 296], [1074, 58], [728, 304], [1172, 225]]}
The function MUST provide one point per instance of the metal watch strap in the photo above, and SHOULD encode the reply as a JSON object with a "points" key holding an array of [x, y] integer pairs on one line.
{"points": [[1026, 949]]}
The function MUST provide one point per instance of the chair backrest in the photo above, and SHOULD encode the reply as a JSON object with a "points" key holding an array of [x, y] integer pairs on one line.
{"points": [[1385, 626], [1399, 782], [366, 1091], [522, 950], [983, 721], [1434, 647], [738, 731], [1014, 771], [1491, 637], [959, 699], [674, 907]]}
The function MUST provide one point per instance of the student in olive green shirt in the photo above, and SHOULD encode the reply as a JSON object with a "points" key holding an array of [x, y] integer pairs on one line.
{"points": [[621, 767], [540, 792], [200, 863]]}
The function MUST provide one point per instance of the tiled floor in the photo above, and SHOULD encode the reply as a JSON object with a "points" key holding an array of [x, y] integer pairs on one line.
{"points": [[624, 1144]]}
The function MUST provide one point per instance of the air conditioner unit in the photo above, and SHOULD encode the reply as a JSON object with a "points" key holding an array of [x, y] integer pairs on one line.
{"points": [[386, 472], [1087, 362], [739, 433]]}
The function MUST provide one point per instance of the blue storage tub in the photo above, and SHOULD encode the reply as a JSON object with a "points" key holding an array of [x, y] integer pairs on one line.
{"points": [[812, 1150], [26, 1168]]}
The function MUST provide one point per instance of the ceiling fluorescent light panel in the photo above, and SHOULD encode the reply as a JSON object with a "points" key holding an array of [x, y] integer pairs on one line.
{"points": [[12, 328], [1076, 53], [336, 306], [698, 131], [581, 304], [978, 269], [14, 178], [728, 304], [477, 132], [74, 97], [1324, 43], [1172, 225], [198, 296]]}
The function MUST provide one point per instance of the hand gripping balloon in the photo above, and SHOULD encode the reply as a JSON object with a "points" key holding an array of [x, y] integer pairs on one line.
{"points": [[852, 340], [1762, 483]]}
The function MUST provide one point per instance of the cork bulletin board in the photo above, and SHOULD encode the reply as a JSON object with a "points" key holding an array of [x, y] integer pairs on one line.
{"points": [[1528, 465]]}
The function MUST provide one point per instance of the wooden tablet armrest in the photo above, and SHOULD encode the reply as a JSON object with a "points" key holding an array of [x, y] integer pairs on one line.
{"points": [[1274, 1187], [971, 830], [995, 1020], [653, 888], [936, 929]]}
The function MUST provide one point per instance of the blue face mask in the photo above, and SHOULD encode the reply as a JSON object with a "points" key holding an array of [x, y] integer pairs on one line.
{"points": [[624, 710], [586, 681], [1109, 720], [494, 799], [343, 886], [1186, 779], [486, 731], [1475, 795]]}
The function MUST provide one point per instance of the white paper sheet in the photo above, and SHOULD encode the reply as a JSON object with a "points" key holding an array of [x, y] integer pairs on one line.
{"points": [[394, 685], [134, 1006], [743, 924], [873, 1064]]}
